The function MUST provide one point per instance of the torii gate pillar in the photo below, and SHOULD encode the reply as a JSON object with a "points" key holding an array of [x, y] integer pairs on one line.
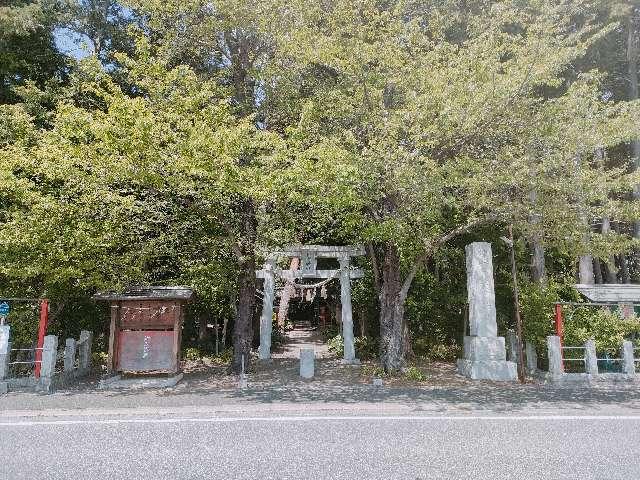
{"points": [[266, 320], [347, 314]]}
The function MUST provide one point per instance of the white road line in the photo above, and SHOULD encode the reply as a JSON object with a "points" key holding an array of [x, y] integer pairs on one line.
{"points": [[324, 418]]}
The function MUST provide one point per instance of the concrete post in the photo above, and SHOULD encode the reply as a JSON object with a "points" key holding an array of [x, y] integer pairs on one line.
{"points": [[47, 370], [532, 357], [266, 319], [347, 316], [554, 350], [513, 352], [84, 360], [590, 358], [628, 361], [5, 350], [307, 362], [69, 355]]}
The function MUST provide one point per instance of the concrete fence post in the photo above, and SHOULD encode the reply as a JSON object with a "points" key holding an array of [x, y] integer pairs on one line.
{"points": [[531, 356], [86, 339], [554, 350], [628, 361], [307, 362], [5, 350], [590, 358], [48, 365], [69, 355]]}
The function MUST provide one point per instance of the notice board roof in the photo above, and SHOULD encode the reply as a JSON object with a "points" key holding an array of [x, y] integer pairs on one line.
{"points": [[148, 293]]}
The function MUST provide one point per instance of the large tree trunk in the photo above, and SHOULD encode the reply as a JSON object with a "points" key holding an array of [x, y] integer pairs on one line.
{"points": [[610, 270], [597, 271], [243, 328], [537, 267], [625, 276], [288, 293], [392, 303], [585, 262]]}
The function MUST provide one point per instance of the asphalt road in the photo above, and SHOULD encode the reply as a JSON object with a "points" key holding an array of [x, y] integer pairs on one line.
{"points": [[321, 447]]}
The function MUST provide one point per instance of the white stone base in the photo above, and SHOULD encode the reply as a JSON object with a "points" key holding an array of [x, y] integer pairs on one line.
{"points": [[500, 370], [484, 348]]}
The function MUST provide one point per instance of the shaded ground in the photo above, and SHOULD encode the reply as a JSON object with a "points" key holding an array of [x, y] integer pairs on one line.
{"points": [[276, 385]]}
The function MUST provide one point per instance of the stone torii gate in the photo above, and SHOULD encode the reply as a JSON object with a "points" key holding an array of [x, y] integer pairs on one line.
{"points": [[309, 255]]}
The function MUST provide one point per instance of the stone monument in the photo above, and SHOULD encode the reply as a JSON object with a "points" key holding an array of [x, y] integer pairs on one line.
{"points": [[485, 356], [307, 363]]}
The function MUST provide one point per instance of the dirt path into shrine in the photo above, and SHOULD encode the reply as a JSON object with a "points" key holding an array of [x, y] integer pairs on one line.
{"points": [[303, 335]]}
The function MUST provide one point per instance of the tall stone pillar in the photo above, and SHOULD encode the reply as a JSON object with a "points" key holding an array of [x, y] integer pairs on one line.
{"points": [[47, 370], [84, 354], [5, 350], [69, 356], [266, 320], [532, 357], [485, 356], [554, 351], [347, 315], [590, 358]]}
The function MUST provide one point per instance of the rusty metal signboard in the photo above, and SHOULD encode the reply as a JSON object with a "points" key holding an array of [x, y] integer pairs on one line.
{"points": [[147, 351]]}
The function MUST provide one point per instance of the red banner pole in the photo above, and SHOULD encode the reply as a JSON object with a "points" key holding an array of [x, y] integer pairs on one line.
{"points": [[42, 331]]}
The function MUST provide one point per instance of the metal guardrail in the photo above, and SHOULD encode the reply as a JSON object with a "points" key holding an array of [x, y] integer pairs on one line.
{"points": [[26, 362]]}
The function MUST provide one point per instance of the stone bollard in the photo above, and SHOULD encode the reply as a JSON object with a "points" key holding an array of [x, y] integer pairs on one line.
{"points": [[532, 357], [48, 365], [590, 358], [5, 350], [69, 356], [554, 350], [513, 352], [628, 361], [307, 361], [84, 357]]}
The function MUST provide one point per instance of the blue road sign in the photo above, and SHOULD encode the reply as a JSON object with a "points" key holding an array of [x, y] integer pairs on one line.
{"points": [[4, 309]]}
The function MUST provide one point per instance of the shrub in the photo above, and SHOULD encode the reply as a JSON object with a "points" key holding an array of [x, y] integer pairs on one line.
{"points": [[366, 347], [414, 373], [445, 352], [336, 345], [373, 371], [536, 306], [425, 347], [607, 328], [191, 354], [100, 358], [330, 332]]}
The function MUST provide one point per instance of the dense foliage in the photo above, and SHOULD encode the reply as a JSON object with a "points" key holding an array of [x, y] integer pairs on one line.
{"points": [[193, 136]]}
